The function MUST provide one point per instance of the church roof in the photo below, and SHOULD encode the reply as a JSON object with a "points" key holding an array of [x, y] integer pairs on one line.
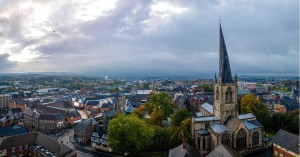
{"points": [[219, 128], [249, 125], [232, 123], [205, 118], [224, 151], [201, 131], [224, 69], [208, 107], [246, 116], [179, 151]]}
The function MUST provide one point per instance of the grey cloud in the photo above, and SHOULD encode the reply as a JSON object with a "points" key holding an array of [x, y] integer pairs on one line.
{"points": [[261, 36], [4, 63]]}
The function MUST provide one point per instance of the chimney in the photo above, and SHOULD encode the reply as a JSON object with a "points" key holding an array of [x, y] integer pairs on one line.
{"points": [[184, 143]]}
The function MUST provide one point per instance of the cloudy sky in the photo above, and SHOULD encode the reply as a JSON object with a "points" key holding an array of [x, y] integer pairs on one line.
{"points": [[162, 37]]}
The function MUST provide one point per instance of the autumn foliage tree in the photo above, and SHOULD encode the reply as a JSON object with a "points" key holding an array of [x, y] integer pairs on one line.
{"points": [[250, 104]]}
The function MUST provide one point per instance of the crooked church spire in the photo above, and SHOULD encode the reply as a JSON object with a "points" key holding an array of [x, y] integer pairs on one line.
{"points": [[224, 65]]}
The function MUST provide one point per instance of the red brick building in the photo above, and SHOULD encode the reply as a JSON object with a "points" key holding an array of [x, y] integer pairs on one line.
{"points": [[33, 144], [285, 144]]}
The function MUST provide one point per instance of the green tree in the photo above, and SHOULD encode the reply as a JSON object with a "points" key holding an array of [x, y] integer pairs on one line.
{"points": [[161, 138], [129, 134], [163, 102], [208, 87], [181, 132], [179, 116]]}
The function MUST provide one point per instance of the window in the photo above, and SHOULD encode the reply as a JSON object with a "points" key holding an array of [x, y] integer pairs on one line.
{"points": [[241, 139], [4, 151], [275, 153], [20, 148], [226, 139], [228, 95], [199, 142], [281, 155], [204, 143], [217, 94], [26, 146], [255, 138], [13, 149]]}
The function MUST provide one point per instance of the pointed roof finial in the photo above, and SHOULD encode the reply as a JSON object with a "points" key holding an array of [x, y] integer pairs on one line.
{"points": [[216, 80], [235, 78]]}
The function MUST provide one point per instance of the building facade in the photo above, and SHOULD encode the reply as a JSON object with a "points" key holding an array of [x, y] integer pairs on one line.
{"points": [[220, 123], [285, 144], [4, 99], [33, 144]]}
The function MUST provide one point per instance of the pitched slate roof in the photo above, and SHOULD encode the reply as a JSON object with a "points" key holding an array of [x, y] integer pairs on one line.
{"points": [[201, 131], [17, 139], [51, 144], [189, 151], [287, 140], [208, 107], [81, 127], [249, 125], [10, 131], [246, 116], [205, 118], [232, 123], [219, 128], [51, 116], [224, 151], [39, 139]]}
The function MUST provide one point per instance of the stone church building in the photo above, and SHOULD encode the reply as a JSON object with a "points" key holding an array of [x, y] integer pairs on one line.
{"points": [[221, 123]]}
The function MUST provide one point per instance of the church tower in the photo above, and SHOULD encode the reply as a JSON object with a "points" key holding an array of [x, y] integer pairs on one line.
{"points": [[225, 89]]}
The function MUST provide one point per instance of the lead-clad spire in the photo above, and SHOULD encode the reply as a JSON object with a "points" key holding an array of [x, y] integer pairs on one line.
{"points": [[224, 69]]}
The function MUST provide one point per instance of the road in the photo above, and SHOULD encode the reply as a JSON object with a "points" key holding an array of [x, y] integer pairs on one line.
{"points": [[64, 138]]}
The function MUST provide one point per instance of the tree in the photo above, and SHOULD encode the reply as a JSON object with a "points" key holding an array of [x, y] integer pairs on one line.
{"points": [[208, 87], [138, 112], [129, 134], [156, 116], [161, 138], [181, 132], [179, 116], [249, 103], [162, 101]]}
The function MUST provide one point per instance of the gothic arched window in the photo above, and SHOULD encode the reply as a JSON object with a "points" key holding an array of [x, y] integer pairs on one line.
{"points": [[226, 139], [255, 138], [199, 142], [204, 142], [228, 95], [217, 94], [241, 139]]}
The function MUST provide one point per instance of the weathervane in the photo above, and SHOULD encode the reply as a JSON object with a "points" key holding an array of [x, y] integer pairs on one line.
{"points": [[220, 20]]}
